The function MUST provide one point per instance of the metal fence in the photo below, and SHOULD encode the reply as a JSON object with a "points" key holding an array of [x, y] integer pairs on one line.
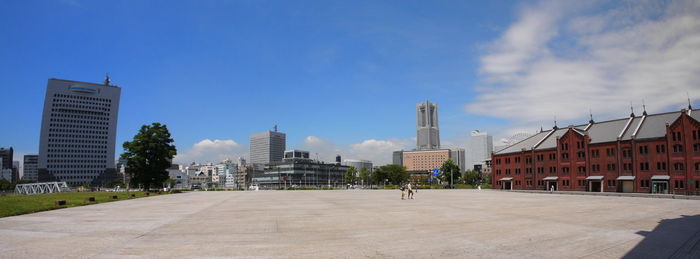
{"points": [[39, 188]]}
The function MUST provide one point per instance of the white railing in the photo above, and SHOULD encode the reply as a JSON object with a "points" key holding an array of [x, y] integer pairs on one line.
{"points": [[39, 188]]}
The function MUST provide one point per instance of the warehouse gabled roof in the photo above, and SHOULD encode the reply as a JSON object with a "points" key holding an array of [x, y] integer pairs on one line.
{"points": [[526, 144], [637, 127]]}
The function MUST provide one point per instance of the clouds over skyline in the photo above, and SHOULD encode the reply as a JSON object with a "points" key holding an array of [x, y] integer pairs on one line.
{"points": [[564, 59], [207, 150], [377, 151]]}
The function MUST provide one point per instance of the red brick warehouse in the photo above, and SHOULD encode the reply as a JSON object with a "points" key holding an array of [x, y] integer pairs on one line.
{"points": [[657, 153]]}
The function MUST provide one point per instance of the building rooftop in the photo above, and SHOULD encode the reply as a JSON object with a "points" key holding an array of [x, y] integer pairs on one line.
{"points": [[638, 127]]}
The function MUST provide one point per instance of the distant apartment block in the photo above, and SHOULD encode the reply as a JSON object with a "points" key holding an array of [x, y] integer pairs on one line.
{"points": [[480, 148], [267, 147], [31, 168], [10, 172], [78, 132]]}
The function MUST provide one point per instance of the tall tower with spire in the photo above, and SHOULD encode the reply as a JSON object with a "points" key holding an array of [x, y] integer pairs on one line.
{"points": [[428, 131]]}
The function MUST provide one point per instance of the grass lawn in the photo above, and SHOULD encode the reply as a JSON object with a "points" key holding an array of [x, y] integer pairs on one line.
{"points": [[15, 204]]}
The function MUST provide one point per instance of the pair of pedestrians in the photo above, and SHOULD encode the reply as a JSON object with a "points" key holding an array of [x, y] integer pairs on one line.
{"points": [[407, 187]]}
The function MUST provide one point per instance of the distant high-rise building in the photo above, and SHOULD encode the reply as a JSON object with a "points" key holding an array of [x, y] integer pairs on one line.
{"points": [[7, 163], [268, 146], [428, 131], [480, 148], [6, 155], [422, 161], [15, 170], [78, 132], [397, 157], [458, 156], [31, 167]]}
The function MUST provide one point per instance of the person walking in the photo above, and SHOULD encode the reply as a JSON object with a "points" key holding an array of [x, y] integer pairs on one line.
{"points": [[403, 191], [410, 190]]}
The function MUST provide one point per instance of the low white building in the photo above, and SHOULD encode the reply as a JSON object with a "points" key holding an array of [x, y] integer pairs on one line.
{"points": [[226, 174], [358, 164], [182, 180]]}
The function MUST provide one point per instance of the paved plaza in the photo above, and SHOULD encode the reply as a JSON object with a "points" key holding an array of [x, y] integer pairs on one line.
{"points": [[361, 224]]}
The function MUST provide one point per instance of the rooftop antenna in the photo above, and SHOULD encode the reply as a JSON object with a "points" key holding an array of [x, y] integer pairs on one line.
{"points": [[555, 122], [632, 109], [590, 113], [687, 95], [275, 128], [644, 106], [107, 80]]}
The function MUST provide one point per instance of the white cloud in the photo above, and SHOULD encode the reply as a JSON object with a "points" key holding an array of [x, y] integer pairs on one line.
{"points": [[562, 60], [377, 151], [211, 151]]}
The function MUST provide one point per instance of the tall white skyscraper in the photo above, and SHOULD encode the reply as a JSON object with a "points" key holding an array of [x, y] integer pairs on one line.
{"points": [[480, 148], [268, 146], [78, 132], [428, 131]]}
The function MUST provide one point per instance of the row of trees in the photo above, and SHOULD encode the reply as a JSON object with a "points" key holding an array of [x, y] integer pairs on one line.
{"points": [[397, 174], [387, 174]]}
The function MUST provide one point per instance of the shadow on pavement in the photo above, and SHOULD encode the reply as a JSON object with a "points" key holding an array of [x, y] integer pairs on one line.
{"points": [[672, 238]]}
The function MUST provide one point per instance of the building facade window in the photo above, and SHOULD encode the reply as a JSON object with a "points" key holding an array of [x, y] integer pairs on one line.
{"points": [[644, 183], [610, 151], [644, 166], [643, 150], [660, 166], [677, 148], [626, 153], [660, 149], [678, 166]]}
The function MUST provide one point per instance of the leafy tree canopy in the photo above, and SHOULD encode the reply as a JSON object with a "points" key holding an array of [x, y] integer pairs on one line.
{"points": [[449, 171], [350, 177], [149, 155], [364, 175], [396, 174]]}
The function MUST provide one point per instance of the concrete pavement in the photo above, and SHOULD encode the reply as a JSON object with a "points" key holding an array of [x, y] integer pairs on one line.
{"points": [[355, 223]]}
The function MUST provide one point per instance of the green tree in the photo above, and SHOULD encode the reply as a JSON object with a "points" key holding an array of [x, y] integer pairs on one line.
{"points": [[6, 185], [471, 178], [488, 178], [350, 177], [170, 183], [449, 171], [364, 175], [379, 175], [395, 173], [149, 155]]}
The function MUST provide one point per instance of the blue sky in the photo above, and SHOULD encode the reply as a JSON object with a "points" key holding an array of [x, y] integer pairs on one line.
{"points": [[343, 76]]}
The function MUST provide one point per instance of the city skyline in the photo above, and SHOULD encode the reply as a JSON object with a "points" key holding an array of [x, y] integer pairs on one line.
{"points": [[351, 79]]}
